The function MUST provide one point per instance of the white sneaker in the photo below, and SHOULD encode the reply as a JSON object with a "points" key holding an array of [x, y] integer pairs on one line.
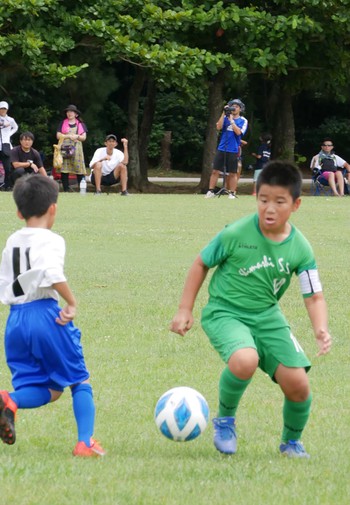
{"points": [[232, 196], [210, 194]]}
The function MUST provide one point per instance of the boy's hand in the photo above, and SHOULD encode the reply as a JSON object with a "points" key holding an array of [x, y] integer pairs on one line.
{"points": [[67, 314], [324, 342], [182, 322]]}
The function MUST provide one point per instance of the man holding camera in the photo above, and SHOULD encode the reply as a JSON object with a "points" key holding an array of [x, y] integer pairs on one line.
{"points": [[233, 126]]}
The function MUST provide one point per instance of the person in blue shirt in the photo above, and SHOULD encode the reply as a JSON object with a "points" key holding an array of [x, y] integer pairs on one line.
{"points": [[233, 126]]}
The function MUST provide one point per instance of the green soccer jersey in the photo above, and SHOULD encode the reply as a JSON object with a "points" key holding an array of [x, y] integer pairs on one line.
{"points": [[253, 271]]}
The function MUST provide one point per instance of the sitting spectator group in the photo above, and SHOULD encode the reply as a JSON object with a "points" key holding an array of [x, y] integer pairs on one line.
{"points": [[108, 165]]}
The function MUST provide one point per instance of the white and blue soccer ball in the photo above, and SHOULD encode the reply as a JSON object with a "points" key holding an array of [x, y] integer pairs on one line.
{"points": [[181, 414]]}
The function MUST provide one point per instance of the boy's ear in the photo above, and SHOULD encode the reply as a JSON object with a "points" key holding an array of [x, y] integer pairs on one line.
{"points": [[52, 209], [296, 204], [20, 215]]}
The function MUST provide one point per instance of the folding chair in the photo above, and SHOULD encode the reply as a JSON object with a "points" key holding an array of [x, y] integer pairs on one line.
{"points": [[319, 185], [346, 184]]}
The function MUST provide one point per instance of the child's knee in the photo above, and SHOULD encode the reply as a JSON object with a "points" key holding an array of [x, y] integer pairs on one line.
{"points": [[243, 363], [294, 383]]}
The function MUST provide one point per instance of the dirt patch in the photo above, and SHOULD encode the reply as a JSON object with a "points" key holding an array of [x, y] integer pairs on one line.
{"points": [[244, 188]]}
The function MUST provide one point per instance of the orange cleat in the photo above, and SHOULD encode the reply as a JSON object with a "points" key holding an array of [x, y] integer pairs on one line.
{"points": [[83, 451], [8, 410]]}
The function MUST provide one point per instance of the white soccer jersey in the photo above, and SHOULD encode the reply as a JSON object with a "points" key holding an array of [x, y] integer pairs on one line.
{"points": [[32, 261]]}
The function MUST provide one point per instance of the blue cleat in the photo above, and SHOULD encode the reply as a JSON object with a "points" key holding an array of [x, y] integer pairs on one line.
{"points": [[225, 438], [293, 449]]}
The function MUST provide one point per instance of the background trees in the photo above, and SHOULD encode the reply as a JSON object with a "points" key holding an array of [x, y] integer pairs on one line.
{"points": [[143, 68]]}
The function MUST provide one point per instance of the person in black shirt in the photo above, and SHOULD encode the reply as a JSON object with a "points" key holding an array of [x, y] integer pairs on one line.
{"points": [[25, 159]]}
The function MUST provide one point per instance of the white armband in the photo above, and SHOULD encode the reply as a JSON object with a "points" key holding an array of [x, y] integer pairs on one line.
{"points": [[310, 282]]}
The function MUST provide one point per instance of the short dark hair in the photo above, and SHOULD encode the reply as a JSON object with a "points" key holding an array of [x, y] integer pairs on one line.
{"points": [[281, 173], [28, 135], [327, 139], [266, 137], [34, 194]]}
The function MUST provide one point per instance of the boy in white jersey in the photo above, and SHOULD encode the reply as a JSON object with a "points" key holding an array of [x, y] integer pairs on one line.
{"points": [[42, 345], [256, 257]]}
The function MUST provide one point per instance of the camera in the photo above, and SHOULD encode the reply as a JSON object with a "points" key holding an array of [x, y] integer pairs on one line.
{"points": [[229, 109]]}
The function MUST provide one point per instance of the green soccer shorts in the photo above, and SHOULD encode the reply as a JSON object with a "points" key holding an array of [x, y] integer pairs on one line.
{"points": [[268, 332]]}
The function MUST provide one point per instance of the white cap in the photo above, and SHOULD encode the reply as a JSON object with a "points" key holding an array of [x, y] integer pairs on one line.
{"points": [[4, 105]]}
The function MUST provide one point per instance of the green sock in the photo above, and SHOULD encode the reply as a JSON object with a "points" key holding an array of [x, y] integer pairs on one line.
{"points": [[231, 390], [295, 417]]}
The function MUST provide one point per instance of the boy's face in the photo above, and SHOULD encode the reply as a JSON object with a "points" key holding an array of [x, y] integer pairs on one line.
{"points": [[275, 205]]}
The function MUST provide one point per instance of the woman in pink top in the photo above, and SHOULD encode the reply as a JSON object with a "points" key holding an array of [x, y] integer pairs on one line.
{"points": [[73, 132]]}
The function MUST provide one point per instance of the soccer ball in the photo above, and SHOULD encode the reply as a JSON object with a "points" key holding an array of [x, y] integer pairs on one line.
{"points": [[181, 414]]}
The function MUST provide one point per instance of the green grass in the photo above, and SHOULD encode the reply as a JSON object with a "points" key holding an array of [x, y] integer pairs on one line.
{"points": [[126, 262]]}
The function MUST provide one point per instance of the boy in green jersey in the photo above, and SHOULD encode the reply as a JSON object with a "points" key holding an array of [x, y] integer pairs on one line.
{"points": [[255, 258]]}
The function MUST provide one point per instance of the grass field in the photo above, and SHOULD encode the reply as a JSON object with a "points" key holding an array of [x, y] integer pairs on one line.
{"points": [[126, 262]]}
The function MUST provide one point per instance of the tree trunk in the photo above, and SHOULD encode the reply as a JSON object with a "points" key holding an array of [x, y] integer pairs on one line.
{"points": [[146, 127], [215, 104], [165, 159], [134, 171], [282, 121]]}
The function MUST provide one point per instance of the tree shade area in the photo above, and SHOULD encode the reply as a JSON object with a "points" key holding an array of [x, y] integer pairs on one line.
{"points": [[152, 70]]}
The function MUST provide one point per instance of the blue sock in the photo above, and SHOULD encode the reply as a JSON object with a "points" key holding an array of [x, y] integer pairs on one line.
{"points": [[31, 397], [84, 411]]}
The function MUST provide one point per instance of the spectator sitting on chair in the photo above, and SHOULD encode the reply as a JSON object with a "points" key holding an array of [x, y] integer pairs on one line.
{"points": [[25, 159], [331, 167], [109, 165]]}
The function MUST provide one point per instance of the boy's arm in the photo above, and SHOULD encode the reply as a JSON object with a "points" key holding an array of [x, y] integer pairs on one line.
{"points": [[183, 320], [68, 312], [317, 310]]}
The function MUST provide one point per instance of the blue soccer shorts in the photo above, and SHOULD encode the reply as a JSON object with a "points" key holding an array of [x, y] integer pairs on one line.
{"points": [[41, 352]]}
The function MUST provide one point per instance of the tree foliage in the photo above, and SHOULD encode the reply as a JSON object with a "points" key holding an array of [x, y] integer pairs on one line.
{"points": [[269, 52], [33, 39]]}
